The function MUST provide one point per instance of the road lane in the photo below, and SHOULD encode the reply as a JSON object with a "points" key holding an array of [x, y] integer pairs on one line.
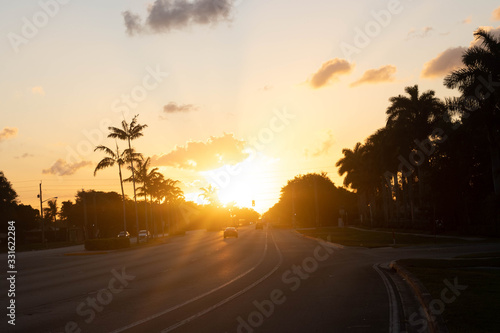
{"points": [[164, 276], [283, 282]]}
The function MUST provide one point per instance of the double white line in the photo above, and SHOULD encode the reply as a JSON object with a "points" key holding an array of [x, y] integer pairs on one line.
{"points": [[213, 307]]}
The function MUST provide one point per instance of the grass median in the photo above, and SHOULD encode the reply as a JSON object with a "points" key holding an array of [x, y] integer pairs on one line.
{"points": [[474, 309], [373, 239]]}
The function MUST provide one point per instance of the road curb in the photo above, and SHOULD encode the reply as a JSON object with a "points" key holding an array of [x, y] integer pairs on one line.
{"points": [[435, 322]]}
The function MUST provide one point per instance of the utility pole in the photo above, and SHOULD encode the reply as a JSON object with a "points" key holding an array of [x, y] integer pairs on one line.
{"points": [[316, 202], [84, 199], [41, 214], [294, 221]]}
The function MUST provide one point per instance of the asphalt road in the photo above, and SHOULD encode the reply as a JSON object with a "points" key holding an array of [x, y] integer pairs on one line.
{"points": [[264, 281]]}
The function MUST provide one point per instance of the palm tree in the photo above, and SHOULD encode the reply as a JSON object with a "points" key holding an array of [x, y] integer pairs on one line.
{"points": [[109, 161], [51, 212], [166, 190], [352, 165], [145, 177], [210, 194], [414, 116], [129, 132], [411, 118], [478, 83], [357, 166]]}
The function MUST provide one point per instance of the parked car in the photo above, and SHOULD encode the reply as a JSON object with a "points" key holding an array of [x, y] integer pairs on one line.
{"points": [[144, 235], [230, 232], [123, 234]]}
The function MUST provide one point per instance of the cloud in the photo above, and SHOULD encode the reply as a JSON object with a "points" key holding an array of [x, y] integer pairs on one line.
{"points": [[62, 168], [467, 20], [495, 15], [173, 107], [132, 23], [165, 15], [203, 156], [424, 32], [330, 71], [382, 74], [38, 90], [7, 133], [444, 63], [25, 155], [325, 146]]}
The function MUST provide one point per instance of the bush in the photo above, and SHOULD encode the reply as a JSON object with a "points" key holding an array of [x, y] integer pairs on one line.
{"points": [[107, 244], [178, 233]]}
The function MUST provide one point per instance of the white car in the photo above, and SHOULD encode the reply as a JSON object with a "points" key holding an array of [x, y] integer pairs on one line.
{"points": [[144, 235]]}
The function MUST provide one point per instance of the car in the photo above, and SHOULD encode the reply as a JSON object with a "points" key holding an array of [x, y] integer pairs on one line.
{"points": [[230, 232], [144, 235], [259, 225], [123, 234]]}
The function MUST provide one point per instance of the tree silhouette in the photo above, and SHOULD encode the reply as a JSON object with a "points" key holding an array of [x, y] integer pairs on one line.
{"points": [[50, 213], [119, 159], [310, 200], [480, 100], [7, 194], [129, 132], [209, 194], [411, 118], [145, 176]]}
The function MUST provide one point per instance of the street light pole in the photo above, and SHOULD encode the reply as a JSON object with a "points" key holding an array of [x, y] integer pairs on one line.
{"points": [[41, 214]]}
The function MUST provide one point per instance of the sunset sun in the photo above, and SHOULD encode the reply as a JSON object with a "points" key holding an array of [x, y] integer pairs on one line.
{"points": [[244, 182]]}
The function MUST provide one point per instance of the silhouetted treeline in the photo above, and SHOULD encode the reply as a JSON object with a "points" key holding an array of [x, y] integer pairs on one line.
{"points": [[436, 163], [25, 216], [312, 200]]}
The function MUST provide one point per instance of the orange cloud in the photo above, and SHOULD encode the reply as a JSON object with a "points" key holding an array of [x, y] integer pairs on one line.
{"points": [[203, 156], [62, 168], [444, 63], [324, 148], [7, 133], [173, 107], [382, 74], [38, 90], [495, 16], [330, 71]]}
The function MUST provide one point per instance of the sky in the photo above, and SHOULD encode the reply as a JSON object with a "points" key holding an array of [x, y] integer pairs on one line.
{"points": [[242, 95]]}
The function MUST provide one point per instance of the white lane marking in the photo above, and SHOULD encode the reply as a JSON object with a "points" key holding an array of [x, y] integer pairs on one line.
{"points": [[393, 305], [213, 307], [142, 321]]}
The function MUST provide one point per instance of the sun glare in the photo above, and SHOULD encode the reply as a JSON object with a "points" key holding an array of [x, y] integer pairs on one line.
{"points": [[242, 183]]}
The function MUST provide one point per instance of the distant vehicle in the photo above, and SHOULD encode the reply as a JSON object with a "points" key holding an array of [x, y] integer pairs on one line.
{"points": [[259, 225], [123, 234], [230, 232], [144, 235]]}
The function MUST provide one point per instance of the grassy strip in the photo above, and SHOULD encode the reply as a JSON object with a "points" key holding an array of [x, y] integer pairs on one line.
{"points": [[373, 239], [476, 308]]}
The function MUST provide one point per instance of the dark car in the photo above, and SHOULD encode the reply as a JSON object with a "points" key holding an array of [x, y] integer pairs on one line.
{"points": [[123, 234], [230, 232], [259, 225]]}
